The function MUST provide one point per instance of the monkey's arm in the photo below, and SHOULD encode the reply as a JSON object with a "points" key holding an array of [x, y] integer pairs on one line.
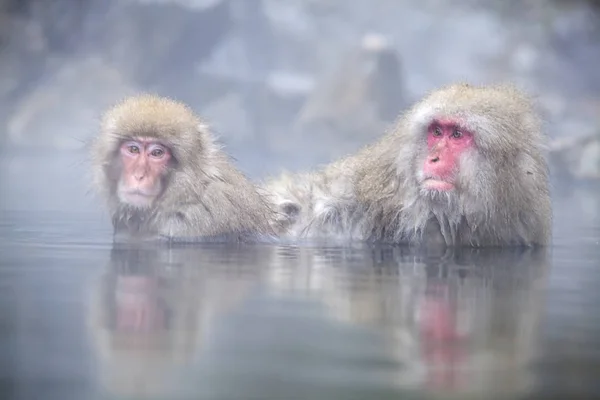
{"points": [[225, 208], [179, 227], [191, 223]]}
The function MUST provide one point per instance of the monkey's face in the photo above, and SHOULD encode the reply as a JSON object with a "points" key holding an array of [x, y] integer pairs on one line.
{"points": [[138, 305], [145, 166], [447, 145]]}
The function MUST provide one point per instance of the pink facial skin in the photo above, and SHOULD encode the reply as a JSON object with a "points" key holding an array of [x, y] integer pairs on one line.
{"points": [[144, 164], [446, 142], [138, 306]]}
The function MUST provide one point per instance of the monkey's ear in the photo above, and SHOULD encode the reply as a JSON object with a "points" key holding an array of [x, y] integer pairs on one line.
{"points": [[290, 208], [209, 138], [422, 117], [288, 212]]}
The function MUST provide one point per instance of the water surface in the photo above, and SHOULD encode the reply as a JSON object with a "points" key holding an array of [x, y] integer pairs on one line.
{"points": [[83, 319]]}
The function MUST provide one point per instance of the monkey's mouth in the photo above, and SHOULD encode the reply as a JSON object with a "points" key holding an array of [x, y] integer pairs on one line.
{"points": [[437, 184], [137, 198]]}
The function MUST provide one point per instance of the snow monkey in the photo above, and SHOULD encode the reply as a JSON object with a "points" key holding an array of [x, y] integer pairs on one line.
{"points": [[163, 176], [463, 166]]}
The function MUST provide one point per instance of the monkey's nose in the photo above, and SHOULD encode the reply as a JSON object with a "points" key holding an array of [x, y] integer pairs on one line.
{"points": [[435, 159]]}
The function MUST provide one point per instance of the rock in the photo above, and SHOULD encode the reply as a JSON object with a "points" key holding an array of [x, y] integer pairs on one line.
{"points": [[63, 110], [256, 60], [228, 117], [358, 100], [577, 157], [158, 44], [61, 62]]}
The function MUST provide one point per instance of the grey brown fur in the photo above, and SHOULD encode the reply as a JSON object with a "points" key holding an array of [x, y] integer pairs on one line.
{"points": [[502, 195], [206, 197]]}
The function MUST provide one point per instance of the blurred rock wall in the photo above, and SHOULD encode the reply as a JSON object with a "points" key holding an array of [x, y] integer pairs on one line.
{"points": [[294, 82]]}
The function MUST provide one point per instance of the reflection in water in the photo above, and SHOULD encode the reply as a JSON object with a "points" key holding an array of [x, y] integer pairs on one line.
{"points": [[458, 321], [151, 307], [246, 322]]}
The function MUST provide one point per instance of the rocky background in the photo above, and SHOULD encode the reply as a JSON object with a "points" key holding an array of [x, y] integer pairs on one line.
{"points": [[293, 83]]}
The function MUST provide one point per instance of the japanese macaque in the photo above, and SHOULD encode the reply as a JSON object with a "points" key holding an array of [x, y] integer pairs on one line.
{"points": [[163, 176], [464, 166]]}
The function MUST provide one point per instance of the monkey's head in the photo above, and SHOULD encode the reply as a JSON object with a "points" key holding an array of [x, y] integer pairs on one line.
{"points": [[144, 142], [475, 151]]}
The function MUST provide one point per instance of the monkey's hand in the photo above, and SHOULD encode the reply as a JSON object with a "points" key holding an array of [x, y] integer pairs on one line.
{"points": [[180, 224], [192, 224]]}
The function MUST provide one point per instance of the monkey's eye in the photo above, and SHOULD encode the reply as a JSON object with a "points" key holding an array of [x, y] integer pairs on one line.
{"points": [[133, 149], [457, 134], [437, 131], [157, 153]]}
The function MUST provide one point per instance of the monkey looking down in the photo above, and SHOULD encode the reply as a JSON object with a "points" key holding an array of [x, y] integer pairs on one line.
{"points": [[463, 166], [163, 176]]}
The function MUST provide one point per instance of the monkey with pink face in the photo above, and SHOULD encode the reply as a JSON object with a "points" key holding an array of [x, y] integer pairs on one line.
{"points": [[163, 175], [464, 166]]}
